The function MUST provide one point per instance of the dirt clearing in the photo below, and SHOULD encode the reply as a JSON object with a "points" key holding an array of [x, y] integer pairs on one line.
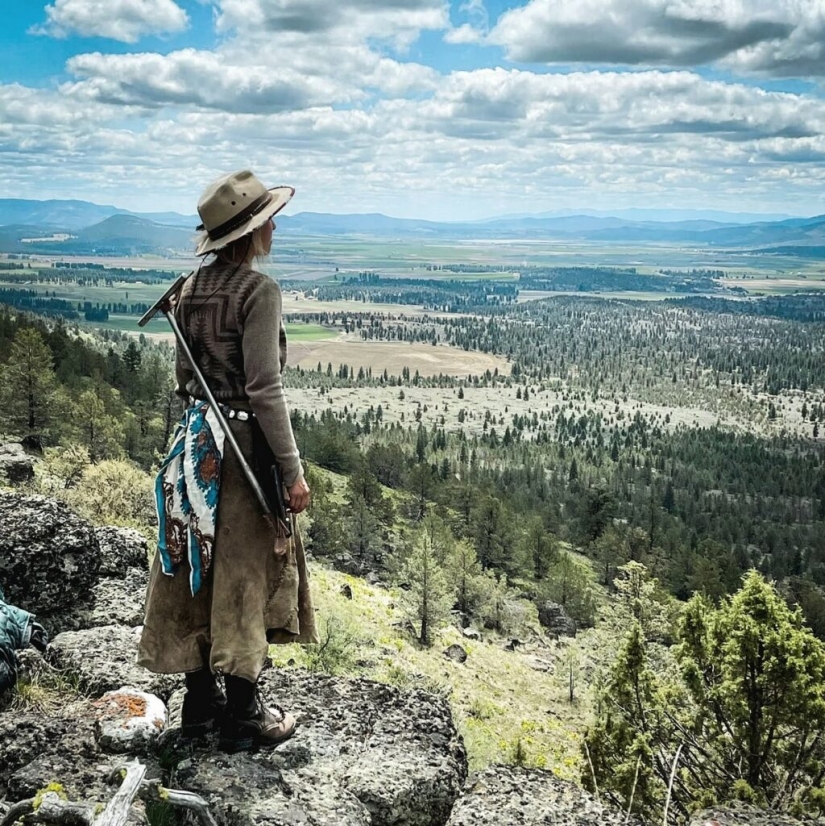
{"points": [[394, 356]]}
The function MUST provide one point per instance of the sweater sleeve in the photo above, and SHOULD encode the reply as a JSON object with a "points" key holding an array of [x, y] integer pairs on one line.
{"points": [[183, 374], [262, 365]]}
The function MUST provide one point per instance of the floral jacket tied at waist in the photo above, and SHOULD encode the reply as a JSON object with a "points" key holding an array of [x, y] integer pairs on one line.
{"points": [[187, 489]]}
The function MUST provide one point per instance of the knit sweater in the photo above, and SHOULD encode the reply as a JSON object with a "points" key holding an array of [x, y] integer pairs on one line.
{"points": [[231, 318]]}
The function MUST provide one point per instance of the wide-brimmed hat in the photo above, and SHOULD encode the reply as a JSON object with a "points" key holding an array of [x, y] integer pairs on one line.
{"points": [[235, 205]]}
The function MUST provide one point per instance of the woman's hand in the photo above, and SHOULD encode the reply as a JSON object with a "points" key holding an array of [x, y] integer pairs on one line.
{"points": [[299, 496]]}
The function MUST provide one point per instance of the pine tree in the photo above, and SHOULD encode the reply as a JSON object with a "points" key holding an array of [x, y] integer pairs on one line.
{"points": [[746, 710], [539, 547], [429, 598], [30, 398], [132, 357], [464, 575]]}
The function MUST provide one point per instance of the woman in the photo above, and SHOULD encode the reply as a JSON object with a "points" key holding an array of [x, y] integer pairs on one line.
{"points": [[220, 592]]}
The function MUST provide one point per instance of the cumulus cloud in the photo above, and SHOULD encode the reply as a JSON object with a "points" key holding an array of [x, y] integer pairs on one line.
{"points": [[400, 21], [636, 106], [195, 78], [125, 20], [775, 36], [535, 140], [237, 81], [310, 93], [474, 31]]}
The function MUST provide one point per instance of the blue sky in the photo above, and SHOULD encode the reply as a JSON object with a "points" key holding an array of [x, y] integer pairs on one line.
{"points": [[419, 107]]}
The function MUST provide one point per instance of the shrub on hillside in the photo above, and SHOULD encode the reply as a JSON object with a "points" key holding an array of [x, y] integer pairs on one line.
{"points": [[741, 716]]}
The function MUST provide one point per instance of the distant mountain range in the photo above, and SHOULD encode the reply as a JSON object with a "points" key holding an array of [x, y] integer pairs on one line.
{"points": [[40, 226]]}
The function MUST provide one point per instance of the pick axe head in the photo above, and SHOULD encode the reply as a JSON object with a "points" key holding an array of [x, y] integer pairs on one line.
{"points": [[164, 303]]}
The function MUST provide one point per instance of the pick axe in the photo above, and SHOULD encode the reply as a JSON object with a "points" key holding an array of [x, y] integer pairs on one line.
{"points": [[274, 512]]}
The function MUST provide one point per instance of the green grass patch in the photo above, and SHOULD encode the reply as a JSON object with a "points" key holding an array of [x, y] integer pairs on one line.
{"points": [[297, 331], [506, 710]]}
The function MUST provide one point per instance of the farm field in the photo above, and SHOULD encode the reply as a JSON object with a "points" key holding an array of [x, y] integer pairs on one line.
{"points": [[393, 356], [777, 285]]}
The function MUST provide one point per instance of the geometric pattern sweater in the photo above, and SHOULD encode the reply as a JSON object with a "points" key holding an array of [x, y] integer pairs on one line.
{"points": [[231, 317]]}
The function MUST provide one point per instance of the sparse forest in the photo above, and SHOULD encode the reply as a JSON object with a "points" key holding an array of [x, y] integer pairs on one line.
{"points": [[581, 481]]}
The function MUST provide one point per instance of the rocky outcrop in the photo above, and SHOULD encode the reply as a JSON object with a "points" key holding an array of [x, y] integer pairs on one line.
{"points": [[113, 601], [741, 814], [364, 754], [530, 797], [49, 556], [104, 659], [118, 596], [120, 549], [16, 466], [556, 620]]}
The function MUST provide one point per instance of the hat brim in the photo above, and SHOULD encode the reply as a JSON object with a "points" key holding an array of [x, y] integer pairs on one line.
{"points": [[282, 195]]}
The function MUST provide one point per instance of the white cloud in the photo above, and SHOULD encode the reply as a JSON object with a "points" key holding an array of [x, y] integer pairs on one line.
{"points": [[477, 12], [310, 93], [125, 20], [775, 36], [465, 33], [197, 78], [237, 80], [398, 21], [485, 141], [635, 106]]}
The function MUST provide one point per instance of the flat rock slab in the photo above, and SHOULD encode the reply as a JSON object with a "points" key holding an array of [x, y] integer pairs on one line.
{"points": [[58, 747], [741, 814], [364, 754], [49, 556], [530, 797], [104, 659]]}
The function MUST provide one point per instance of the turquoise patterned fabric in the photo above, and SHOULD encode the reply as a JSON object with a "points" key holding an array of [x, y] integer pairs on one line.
{"points": [[186, 494]]}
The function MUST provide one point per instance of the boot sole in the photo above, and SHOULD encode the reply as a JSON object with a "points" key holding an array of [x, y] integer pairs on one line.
{"points": [[249, 743]]}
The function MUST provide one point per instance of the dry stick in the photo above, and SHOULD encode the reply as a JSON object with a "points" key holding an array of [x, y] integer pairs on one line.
{"points": [[117, 811], [593, 773], [670, 785], [152, 790], [633, 790], [17, 811], [53, 809]]}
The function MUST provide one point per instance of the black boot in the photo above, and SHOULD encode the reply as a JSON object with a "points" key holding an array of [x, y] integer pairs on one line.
{"points": [[248, 722], [203, 704]]}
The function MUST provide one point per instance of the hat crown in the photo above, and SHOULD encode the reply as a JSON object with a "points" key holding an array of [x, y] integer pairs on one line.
{"points": [[228, 196]]}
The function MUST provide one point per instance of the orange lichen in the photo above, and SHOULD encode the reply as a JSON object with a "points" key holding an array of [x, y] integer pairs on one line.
{"points": [[123, 704]]}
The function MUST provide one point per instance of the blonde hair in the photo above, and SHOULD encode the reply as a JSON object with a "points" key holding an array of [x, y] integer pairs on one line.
{"points": [[238, 250]]}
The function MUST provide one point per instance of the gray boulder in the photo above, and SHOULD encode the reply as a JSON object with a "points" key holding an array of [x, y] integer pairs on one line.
{"points": [[49, 556], [121, 548], [34, 743], [364, 754], [456, 653], [556, 620], [741, 814], [530, 797], [16, 466], [114, 601], [104, 659]]}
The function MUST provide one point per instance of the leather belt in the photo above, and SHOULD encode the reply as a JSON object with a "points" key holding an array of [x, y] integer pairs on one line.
{"points": [[229, 412]]}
